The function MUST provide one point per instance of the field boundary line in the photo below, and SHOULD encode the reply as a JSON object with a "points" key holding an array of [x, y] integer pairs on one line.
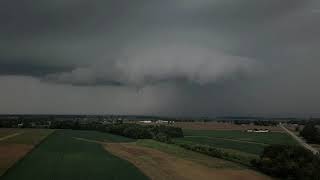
{"points": [[227, 139], [21, 159], [10, 136]]}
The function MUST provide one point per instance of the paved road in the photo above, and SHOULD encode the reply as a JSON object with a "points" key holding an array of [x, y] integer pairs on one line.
{"points": [[300, 141]]}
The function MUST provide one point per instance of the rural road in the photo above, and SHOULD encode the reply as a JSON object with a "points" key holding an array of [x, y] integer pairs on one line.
{"points": [[10, 136], [300, 141]]}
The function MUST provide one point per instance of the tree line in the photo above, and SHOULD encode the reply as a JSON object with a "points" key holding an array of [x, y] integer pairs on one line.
{"points": [[256, 122], [136, 131], [289, 162], [311, 133]]}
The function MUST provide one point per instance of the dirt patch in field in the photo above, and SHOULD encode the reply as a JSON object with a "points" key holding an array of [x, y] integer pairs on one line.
{"points": [[161, 166], [223, 126], [11, 153]]}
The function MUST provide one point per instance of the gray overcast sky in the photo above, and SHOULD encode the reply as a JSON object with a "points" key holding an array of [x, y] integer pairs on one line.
{"points": [[168, 57]]}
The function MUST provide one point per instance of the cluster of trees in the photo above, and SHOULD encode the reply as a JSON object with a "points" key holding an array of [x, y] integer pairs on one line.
{"points": [[315, 121], [204, 149], [311, 133], [289, 162], [265, 123], [257, 122], [134, 131], [8, 123], [137, 131], [217, 153]]}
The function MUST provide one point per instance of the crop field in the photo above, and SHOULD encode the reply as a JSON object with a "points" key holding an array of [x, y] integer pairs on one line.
{"points": [[252, 143], [62, 156], [223, 126], [16, 143]]}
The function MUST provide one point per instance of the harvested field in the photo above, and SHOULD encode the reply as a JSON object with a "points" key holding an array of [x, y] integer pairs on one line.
{"points": [[162, 166], [222, 126], [16, 143]]}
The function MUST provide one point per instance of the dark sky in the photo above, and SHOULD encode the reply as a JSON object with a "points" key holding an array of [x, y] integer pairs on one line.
{"points": [[168, 57]]}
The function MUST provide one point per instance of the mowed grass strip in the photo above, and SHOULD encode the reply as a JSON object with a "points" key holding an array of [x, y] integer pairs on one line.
{"points": [[15, 147], [62, 157]]}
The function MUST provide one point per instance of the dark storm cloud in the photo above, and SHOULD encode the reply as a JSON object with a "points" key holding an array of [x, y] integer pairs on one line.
{"points": [[213, 53], [17, 67]]}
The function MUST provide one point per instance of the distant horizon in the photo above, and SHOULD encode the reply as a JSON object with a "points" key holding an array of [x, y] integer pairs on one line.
{"points": [[165, 116]]}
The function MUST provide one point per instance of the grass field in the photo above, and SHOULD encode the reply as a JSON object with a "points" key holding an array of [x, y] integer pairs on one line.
{"points": [[252, 143], [16, 143], [63, 157]]}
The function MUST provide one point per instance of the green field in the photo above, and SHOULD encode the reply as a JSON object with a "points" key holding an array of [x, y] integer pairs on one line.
{"points": [[62, 157], [252, 143]]}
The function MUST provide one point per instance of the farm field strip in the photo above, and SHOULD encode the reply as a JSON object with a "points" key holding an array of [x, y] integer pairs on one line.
{"points": [[223, 126], [252, 143], [10, 136], [182, 153], [8, 131], [235, 140], [223, 144], [159, 165], [15, 146], [63, 157], [264, 138]]}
